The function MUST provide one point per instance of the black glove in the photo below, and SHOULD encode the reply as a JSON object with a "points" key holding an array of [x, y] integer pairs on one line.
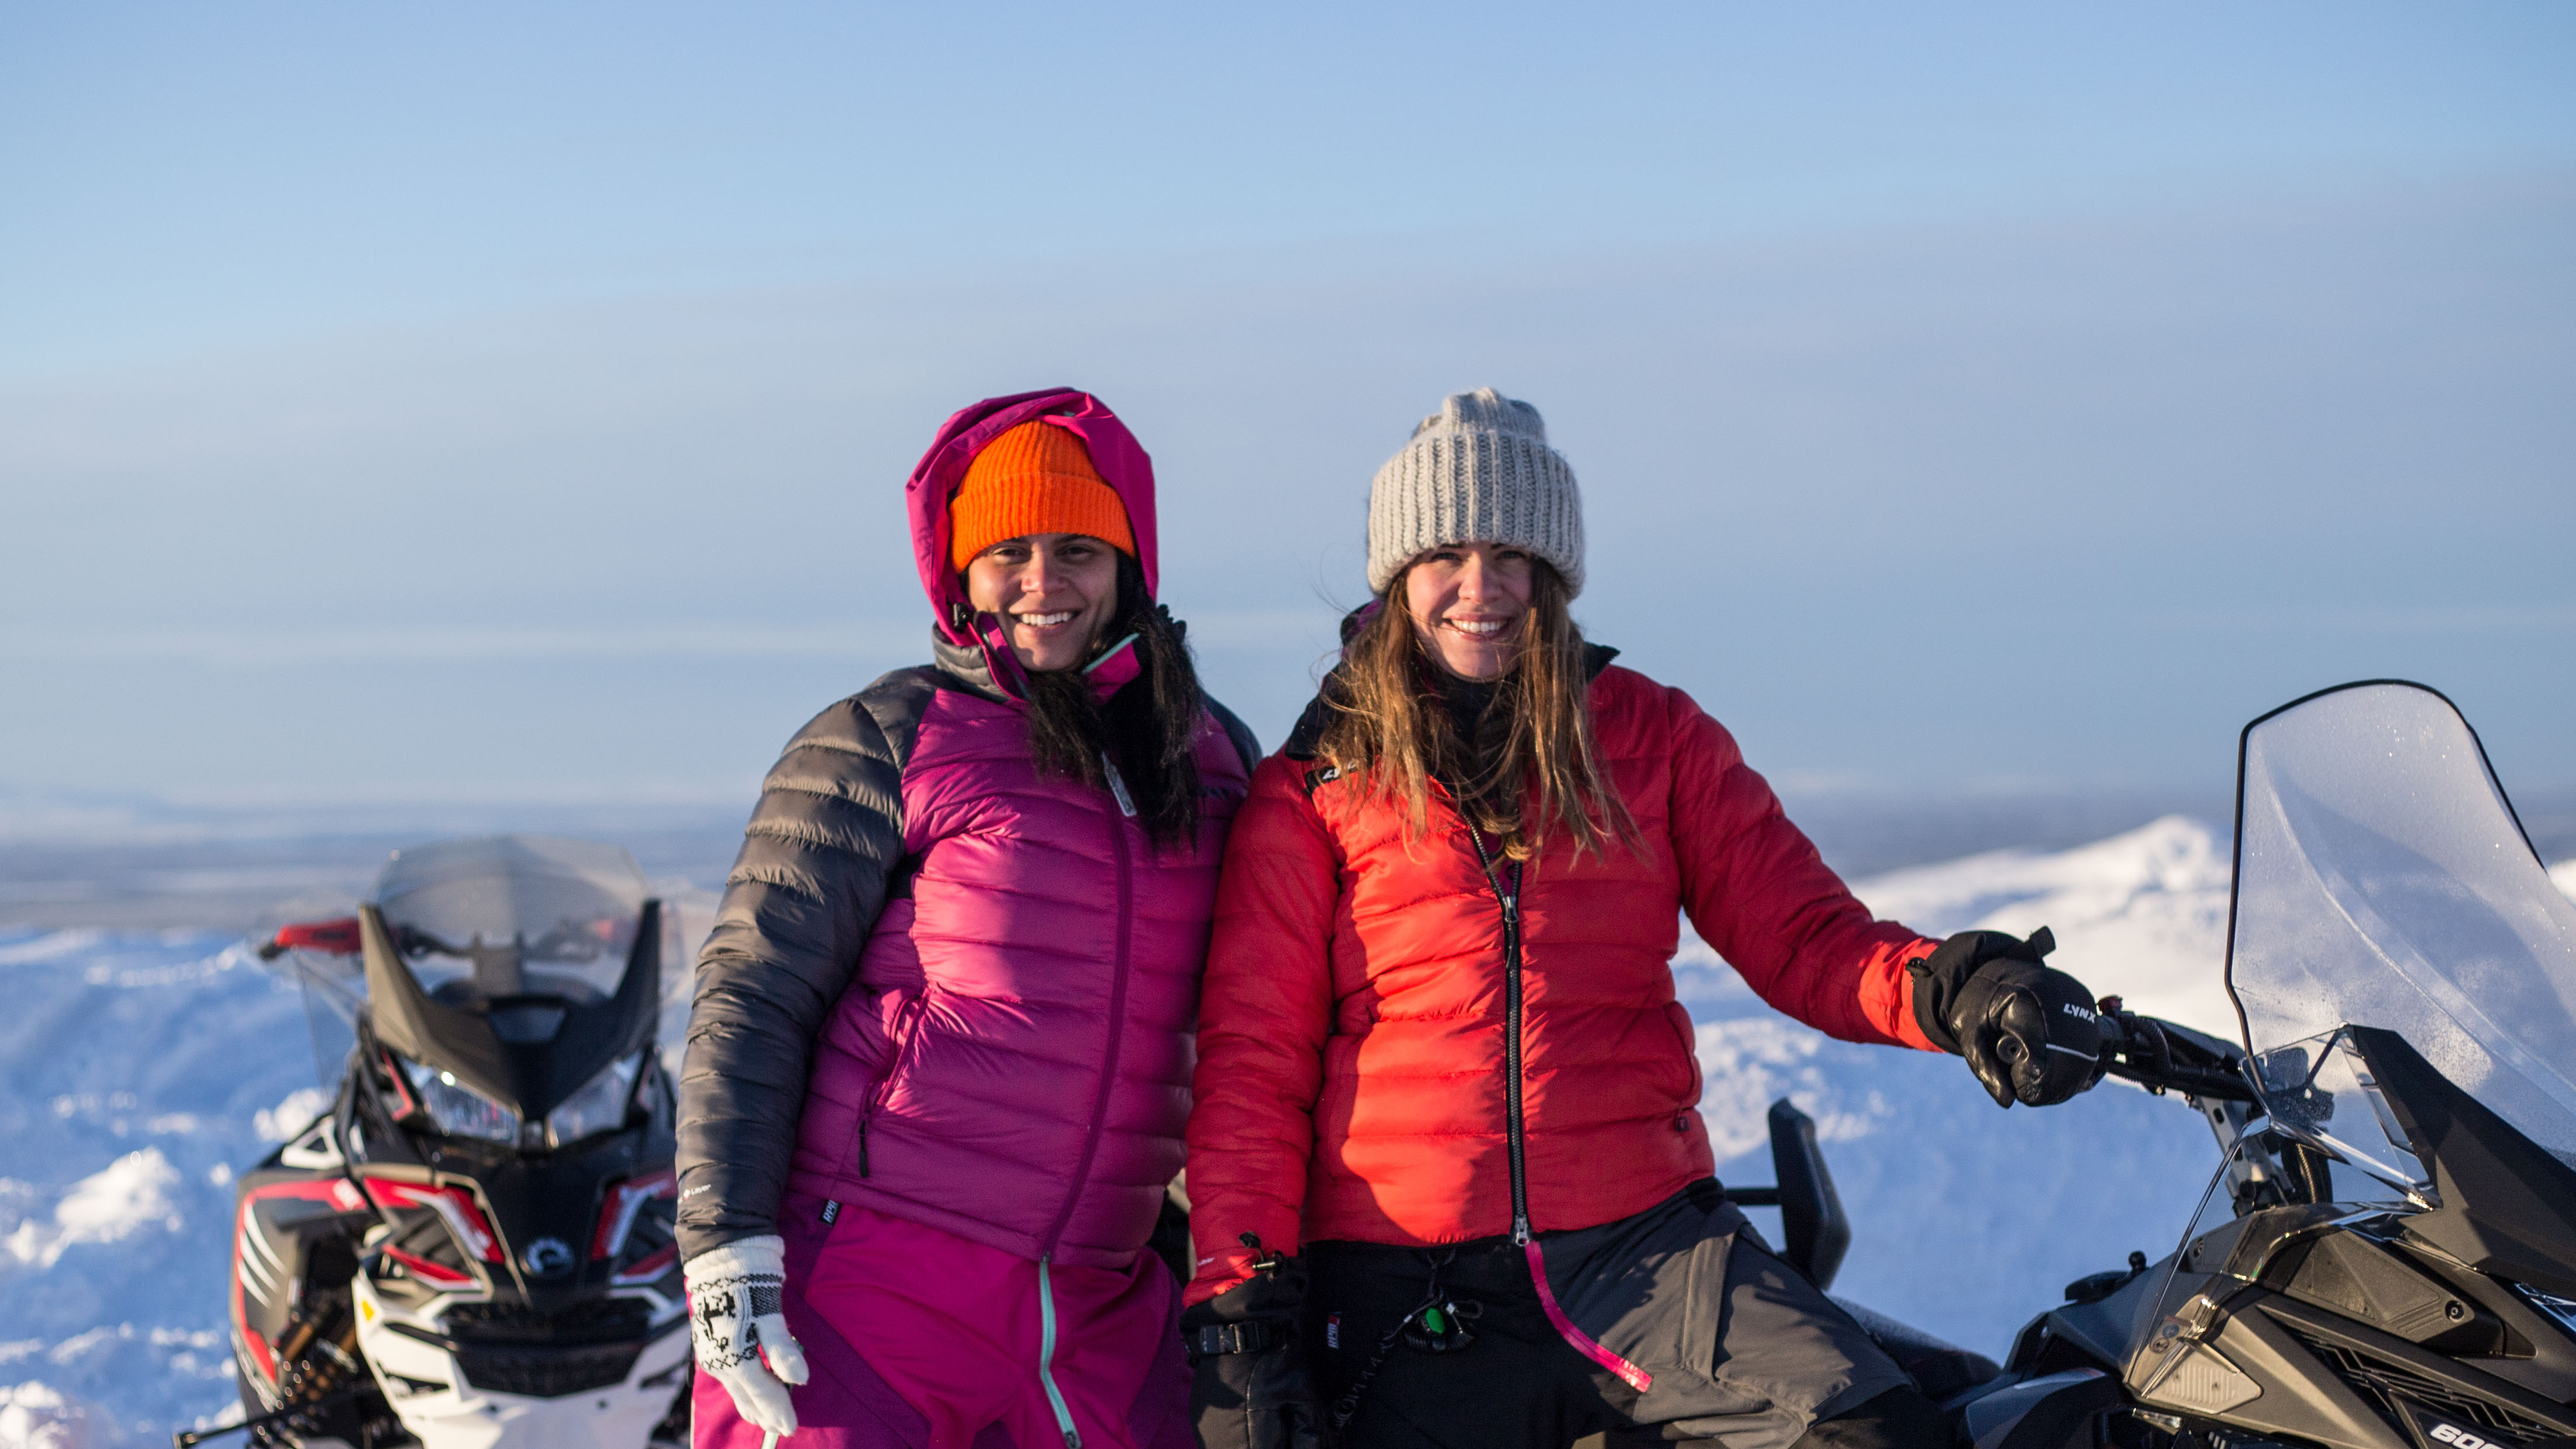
{"points": [[2026, 1028], [1249, 1386]]}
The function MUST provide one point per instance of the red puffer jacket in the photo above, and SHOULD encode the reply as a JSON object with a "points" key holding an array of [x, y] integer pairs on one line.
{"points": [[1354, 1074]]}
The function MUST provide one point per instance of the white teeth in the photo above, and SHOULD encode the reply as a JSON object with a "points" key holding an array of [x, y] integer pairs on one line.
{"points": [[1043, 620], [1476, 626]]}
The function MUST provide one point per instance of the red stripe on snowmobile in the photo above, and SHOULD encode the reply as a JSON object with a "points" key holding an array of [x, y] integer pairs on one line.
{"points": [[454, 1205], [405, 1104], [617, 1215], [648, 1270], [336, 1192], [430, 1272], [332, 938]]}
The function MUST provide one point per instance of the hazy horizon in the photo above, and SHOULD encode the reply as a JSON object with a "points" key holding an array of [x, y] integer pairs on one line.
{"points": [[508, 406]]}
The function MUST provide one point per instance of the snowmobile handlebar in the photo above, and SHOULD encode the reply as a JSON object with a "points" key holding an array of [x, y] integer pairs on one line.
{"points": [[2164, 1056], [190, 1438]]}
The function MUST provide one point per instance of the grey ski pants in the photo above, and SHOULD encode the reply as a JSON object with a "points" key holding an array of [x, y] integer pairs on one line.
{"points": [[1741, 1351]]}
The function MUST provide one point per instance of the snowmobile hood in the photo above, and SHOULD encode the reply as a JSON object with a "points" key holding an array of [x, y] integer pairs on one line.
{"points": [[1114, 452]]}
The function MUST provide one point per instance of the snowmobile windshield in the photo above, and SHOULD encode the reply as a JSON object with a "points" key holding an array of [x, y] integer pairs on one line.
{"points": [[513, 915], [2383, 881]]}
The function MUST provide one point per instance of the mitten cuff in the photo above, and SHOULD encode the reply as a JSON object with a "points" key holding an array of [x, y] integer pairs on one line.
{"points": [[1941, 976], [763, 1256]]}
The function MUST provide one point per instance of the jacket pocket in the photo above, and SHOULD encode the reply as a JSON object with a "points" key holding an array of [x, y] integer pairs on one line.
{"points": [[907, 1027], [1677, 1016]]}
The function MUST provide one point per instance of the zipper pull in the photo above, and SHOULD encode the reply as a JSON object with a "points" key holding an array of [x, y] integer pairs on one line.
{"points": [[1511, 908], [1118, 787], [1520, 1230]]}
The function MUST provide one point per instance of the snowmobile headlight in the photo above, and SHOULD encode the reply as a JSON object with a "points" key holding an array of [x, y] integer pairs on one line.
{"points": [[600, 1105], [458, 1109]]}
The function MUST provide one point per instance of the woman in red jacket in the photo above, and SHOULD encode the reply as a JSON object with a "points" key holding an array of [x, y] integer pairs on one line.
{"points": [[1448, 1181]]}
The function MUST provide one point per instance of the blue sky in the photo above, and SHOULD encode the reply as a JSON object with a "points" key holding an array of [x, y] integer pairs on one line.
{"points": [[513, 401]]}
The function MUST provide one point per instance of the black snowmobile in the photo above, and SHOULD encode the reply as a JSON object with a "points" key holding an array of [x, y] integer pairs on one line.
{"points": [[474, 1245], [2386, 1257]]}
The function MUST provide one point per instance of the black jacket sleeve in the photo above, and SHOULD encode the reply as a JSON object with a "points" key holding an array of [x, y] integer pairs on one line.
{"points": [[797, 908]]}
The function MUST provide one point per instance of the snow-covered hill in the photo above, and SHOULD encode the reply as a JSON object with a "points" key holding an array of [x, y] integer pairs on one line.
{"points": [[140, 1071]]}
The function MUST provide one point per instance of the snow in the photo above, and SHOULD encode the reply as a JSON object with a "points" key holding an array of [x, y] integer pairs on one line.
{"points": [[140, 1071], [129, 1196], [133, 1067], [36, 1416], [276, 1124]]}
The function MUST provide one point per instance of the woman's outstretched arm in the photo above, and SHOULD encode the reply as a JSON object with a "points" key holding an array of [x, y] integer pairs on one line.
{"points": [[1755, 889]]}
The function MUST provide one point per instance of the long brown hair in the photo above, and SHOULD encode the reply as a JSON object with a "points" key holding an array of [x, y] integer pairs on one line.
{"points": [[1390, 727], [1150, 729]]}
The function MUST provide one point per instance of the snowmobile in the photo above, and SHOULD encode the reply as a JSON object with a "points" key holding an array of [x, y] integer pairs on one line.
{"points": [[2385, 1257], [474, 1246]]}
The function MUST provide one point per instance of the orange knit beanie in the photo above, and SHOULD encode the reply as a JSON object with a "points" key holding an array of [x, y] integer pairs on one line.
{"points": [[1036, 478]]}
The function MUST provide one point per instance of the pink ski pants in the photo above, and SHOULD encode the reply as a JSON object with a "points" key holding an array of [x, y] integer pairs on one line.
{"points": [[918, 1339]]}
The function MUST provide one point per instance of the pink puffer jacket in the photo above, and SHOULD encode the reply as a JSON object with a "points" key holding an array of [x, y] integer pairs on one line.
{"points": [[1010, 1059], [1013, 1063]]}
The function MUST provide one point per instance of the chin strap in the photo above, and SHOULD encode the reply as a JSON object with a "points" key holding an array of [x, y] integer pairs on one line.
{"points": [[1116, 666], [993, 640]]}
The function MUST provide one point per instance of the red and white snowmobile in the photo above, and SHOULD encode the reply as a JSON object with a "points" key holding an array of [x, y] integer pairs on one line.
{"points": [[473, 1248]]}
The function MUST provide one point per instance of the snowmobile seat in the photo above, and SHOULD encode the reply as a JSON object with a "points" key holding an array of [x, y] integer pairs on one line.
{"points": [[1939, 1368]]}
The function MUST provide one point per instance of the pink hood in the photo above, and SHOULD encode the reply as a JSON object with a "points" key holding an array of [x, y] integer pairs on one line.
{"points": [[1114, 451]]}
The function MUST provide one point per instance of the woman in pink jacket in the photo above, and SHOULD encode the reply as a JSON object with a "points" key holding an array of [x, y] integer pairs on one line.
{"points": [[940, 1054]]}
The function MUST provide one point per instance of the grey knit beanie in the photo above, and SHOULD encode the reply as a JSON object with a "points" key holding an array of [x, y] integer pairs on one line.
{"points": [[1477, 471]]}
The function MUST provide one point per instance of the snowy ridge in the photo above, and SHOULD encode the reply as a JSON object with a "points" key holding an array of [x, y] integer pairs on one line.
{"points": [[2141, 915], [136, 1069], [140, 1071]]}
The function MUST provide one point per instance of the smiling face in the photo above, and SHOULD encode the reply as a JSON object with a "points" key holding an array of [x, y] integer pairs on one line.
{"points": [[1055, 591], [1470, 605]]}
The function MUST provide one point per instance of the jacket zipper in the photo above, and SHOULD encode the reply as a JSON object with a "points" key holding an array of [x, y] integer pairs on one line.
{"points": [[1512, 1126], [1046, 1360], [1583, 1343], [1117, 1016], [1099, 1110]]}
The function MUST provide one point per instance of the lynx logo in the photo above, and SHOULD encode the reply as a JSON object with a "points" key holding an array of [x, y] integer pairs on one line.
{"points": [[2071, 1009], [2455, 1435], [547, 1257]]}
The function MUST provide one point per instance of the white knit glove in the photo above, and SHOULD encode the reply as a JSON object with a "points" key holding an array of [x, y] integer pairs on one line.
{"points": [[735, 1321]]}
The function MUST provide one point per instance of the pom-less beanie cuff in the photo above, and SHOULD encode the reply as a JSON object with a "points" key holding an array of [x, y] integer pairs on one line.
{"points": [[1036, 478], [1477, 471]]}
